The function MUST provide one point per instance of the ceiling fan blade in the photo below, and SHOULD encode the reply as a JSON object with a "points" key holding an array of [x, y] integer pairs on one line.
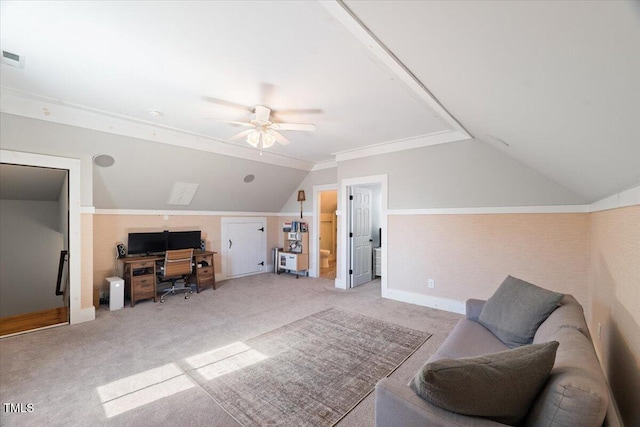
{"points": [[294, 126], [226, 103], [240, 135], [298, 111], [262, 113], [281, 139], [239, 123]]}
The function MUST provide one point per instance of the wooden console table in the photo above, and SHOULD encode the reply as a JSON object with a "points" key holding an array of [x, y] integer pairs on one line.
{"points": [[140, 281]]}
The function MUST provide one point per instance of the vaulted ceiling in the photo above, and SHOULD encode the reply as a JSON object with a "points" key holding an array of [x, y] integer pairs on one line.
{"points": [[554, 85]]}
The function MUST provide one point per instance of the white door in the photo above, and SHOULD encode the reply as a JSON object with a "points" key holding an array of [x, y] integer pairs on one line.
{"points": [[360, 235], [245, 247]]}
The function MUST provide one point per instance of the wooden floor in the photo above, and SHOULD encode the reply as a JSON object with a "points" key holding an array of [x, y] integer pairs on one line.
{"points": [[35, 320]]}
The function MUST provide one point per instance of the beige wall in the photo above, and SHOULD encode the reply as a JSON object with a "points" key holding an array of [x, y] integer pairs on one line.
{"points": [[595, 257], [87, 297], [111, 229], [468, 256], [614, 284]]}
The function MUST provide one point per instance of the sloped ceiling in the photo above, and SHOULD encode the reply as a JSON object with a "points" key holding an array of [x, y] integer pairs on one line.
{"points": [[557, 81], [30, 183]]}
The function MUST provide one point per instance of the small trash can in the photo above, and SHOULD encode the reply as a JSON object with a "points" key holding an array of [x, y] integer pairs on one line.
{"points": [[116, 293], [276, 260]]}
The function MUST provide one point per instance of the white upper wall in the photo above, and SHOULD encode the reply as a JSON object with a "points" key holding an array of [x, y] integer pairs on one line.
{"points": [[456, 175], [318, 177], [144, 172]]}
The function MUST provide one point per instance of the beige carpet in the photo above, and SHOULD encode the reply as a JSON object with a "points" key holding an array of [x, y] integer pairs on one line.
{"points": [[130, 366]]}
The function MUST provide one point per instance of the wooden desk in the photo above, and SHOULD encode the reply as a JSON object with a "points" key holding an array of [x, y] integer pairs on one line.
{"points": [[140, 280]]}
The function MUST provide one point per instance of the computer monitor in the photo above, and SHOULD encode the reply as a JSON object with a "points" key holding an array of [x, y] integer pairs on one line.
{"points": [[184, 240], [147, 243]]}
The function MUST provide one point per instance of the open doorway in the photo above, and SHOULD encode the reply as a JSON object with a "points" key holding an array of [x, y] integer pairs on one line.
{"points": [[76, 313], [378, 184], [34, 223], [328, 233]]}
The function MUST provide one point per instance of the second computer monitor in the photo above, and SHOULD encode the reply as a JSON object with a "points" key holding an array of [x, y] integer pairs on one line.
{"points": [[184, 240]]}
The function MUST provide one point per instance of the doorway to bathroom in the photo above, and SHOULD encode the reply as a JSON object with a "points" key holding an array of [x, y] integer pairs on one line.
{"points": [[327, 233]]}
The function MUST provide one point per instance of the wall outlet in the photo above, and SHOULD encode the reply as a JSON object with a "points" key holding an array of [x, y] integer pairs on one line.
{"points": [[431, 283], [599, 330]]}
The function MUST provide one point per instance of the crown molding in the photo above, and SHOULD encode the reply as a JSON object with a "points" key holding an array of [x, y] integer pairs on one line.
{"points": [[630, 197], [168, 212], [341, 12], [402, 145], [493, 210], [51, 110], [325, 165]]}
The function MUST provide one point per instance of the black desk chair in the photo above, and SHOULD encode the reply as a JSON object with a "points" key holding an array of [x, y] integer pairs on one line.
{"points": [[178, 264]]}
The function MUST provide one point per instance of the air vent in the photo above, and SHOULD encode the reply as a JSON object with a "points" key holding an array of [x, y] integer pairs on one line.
{"points": [[12, 59], [182, 193]]}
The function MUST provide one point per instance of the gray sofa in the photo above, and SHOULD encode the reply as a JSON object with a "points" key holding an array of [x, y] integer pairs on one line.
{"points": [[575, 394]]}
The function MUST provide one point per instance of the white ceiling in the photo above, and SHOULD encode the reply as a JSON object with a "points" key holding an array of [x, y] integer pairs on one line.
{"points": [[558, 81]]}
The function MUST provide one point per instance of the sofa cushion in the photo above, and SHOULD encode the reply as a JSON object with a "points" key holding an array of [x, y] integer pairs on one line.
{"points": [[568, 315], [499, 386], [516, 309], [576, 393], [468, 339]]}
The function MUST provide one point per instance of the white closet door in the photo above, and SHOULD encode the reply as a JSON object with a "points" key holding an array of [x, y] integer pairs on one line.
{"points": [[244, 246]]}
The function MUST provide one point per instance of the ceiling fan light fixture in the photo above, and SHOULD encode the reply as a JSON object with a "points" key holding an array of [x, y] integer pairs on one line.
{"points": [[254, 138], [268, 140]]}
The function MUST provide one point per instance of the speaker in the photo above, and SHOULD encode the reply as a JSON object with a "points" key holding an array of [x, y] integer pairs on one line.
{"points": [[121, 252], [203, 245]]}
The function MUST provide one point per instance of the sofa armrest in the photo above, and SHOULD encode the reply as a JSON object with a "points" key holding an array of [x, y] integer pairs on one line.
{"points": [[397, 405], [473, 308]]}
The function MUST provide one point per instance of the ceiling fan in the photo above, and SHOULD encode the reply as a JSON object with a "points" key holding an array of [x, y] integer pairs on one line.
{"points": [[264, 132]]}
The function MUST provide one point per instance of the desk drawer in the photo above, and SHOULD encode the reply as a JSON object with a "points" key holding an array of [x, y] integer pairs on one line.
{"points": [[142, 264], [205, 272], [144, 283]]}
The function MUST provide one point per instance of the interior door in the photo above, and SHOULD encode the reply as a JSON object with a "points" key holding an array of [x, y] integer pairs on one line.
{"points": [[245, 248], [360, 235]]}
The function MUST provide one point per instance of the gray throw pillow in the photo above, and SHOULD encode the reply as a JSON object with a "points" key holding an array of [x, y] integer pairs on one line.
{"points": [[516, 309], [499, 386]]}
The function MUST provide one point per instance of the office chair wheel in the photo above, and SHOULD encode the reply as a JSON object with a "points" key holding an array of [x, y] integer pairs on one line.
{"points": [[186, 296], [161, 301]]}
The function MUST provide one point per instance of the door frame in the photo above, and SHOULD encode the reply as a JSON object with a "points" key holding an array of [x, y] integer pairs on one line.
{"points": [[225, 250], [342, 261], [314, 268], [77, 314]]}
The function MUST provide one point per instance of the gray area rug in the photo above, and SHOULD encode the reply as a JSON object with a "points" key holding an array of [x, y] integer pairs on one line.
{"points": [[311, 372]]}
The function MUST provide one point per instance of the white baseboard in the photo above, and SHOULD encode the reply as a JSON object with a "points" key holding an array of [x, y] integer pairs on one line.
{"points": [[83, 315], [445, 304]]}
